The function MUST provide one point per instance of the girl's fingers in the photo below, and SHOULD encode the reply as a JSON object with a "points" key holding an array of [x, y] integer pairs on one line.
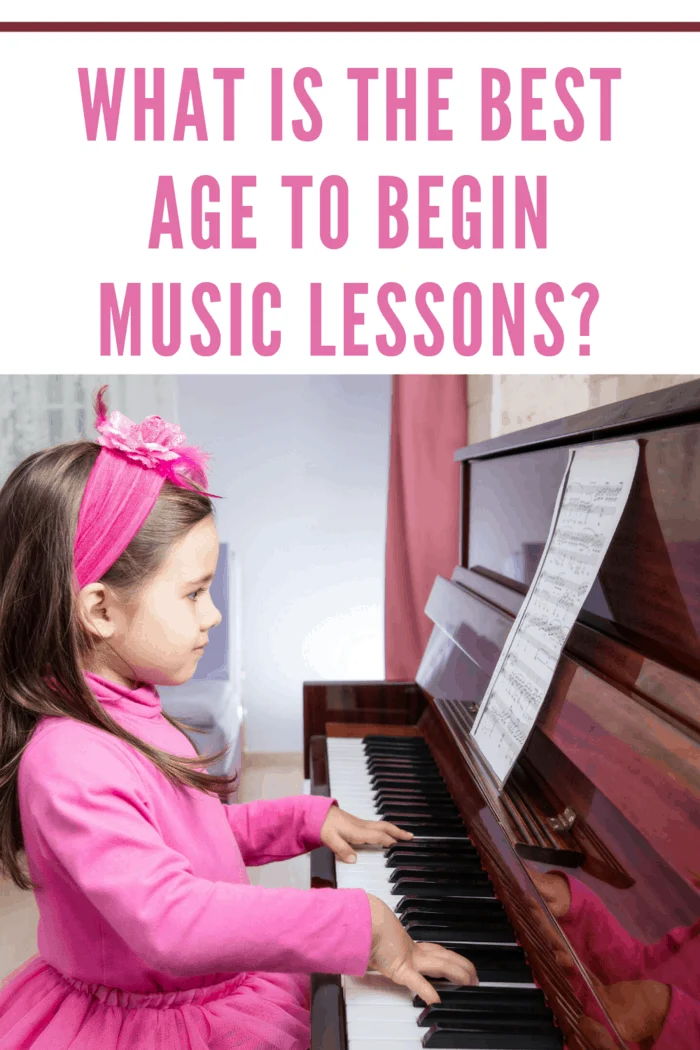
{"points": [[378, 838], [370, 837], [392, 829], [435, 967], [437, 961], [386, 826], [342, 849], [411, 979]]}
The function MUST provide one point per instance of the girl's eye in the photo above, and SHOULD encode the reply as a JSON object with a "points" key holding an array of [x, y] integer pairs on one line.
{"points": [[195, 594]]}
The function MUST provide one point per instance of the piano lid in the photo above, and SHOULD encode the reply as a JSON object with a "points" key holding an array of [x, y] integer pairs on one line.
{"points": [[617, 745]]}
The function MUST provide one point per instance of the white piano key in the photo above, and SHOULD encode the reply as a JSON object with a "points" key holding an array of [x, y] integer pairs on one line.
{"points": [[364, 1010], [389, 1043], [384, 1044], [358, 874], [375, 989], [372, 885], [382, 1022], [505, 984]]}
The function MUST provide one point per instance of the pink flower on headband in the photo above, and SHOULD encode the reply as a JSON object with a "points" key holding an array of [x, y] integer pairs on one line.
{"points": [[147, 443], [154, 443]]}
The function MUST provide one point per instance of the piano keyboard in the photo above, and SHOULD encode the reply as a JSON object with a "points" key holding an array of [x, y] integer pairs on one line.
{"points": [[436, 886]]}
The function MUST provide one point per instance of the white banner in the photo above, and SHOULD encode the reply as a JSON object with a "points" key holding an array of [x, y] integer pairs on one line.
{"points": [[349, 202], [361, 10]]}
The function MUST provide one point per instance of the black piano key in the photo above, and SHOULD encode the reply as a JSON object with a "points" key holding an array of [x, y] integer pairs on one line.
{"points": [[421, 753], [451, 825], [416, 762], [396, 744], [491, 909], [398, 776], [433, 814], [458, 1038], [447, 819], [430, 858], [387, 740], [463, 935], [426, 831], [400, 761], [386, 798], [395, 762], [421, 801], [395, 794], [488, 928], [442, 814], [497, 929], [425, 888], [438, 928], [426, 859], [459, 1015], [458, 912], [490, 904], [385, 780], [473, 877], [467, 867], [431, 827], [524, 1000], [434, 846], [383, 755], [494, 962], [423, 775], [421, 787], [459, 933], [402, 770], [394, 798], [414, 806], [405, 769]]}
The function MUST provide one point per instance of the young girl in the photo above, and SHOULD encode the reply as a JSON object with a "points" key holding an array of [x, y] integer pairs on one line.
{"points": [[150, 935]]}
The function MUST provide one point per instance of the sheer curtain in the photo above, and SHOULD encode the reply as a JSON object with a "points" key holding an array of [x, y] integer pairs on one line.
{"points": [[41, 410], [428, 424]]}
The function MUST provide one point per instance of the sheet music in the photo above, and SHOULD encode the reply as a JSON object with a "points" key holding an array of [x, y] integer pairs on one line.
{"points": [[591, 499]]}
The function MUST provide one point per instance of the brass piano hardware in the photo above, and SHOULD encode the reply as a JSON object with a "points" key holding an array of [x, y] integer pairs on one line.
{"points": [[564, 821]]}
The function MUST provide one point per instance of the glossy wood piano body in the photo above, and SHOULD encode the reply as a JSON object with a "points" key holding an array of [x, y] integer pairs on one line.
{"points": [[607, 790]]}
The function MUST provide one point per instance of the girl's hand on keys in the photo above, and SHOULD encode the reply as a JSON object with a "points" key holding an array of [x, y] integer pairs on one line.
{"points": [[404, 961], [341, 831]]}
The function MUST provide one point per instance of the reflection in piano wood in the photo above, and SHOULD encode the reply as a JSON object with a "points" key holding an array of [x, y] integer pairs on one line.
{"points": [[651, 991], [600, 915]]}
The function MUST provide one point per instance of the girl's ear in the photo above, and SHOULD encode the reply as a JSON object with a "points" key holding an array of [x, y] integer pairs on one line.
{"points": [[95, 611]]}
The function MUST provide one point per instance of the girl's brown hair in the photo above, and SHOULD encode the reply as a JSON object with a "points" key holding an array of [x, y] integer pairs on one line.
{"points": [[42, 642]]}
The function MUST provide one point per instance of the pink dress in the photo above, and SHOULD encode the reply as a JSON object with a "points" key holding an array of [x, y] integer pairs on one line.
{"points": [[150, 934]]}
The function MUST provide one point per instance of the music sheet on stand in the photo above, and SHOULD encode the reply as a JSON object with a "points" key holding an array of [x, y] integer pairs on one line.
{"points": [[591, 499]]}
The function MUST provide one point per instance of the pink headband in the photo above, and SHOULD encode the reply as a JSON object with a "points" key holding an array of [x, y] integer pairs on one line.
{"points": [[124, 484]]}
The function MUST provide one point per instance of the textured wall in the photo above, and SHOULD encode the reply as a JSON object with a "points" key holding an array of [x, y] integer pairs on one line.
{"points": [[501, 404]]}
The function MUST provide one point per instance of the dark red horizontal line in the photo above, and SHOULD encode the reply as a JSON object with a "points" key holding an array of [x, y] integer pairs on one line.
{"points": [[349, 27]]}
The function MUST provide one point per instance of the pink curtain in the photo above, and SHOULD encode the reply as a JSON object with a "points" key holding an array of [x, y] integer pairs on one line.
{"points": [[428, 424]]}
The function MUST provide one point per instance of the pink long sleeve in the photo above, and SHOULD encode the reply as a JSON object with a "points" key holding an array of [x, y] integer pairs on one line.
{"points": [[278, 829], [681, 1029], [97, 831], [614, 955]]}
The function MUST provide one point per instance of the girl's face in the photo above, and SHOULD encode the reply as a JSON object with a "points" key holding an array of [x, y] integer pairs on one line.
{"points": [[160, 636]]}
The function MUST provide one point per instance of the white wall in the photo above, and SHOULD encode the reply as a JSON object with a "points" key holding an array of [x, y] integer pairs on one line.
{"points": [[501, 404], [303, 464]]}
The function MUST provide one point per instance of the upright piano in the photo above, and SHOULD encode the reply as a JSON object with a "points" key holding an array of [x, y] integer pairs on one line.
{"points": [[575, 889]]}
